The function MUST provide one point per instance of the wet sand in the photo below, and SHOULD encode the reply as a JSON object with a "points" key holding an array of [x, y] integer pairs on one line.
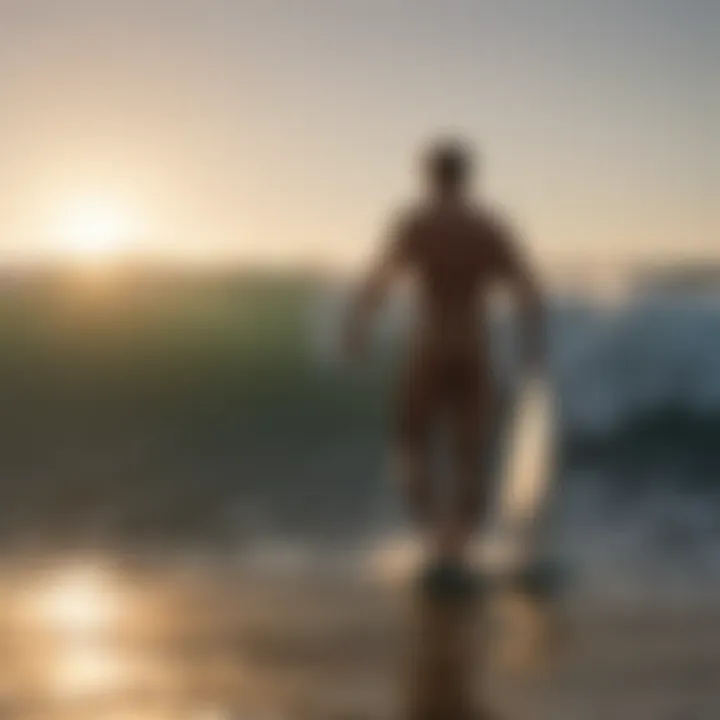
{"points": [[208, 644]]}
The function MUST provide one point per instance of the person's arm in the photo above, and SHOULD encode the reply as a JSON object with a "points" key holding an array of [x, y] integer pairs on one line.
{"points": [[515, 272], [374, 287]]}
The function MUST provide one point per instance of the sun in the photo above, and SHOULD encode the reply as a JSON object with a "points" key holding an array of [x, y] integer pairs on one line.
{"points": [[93, 229]]}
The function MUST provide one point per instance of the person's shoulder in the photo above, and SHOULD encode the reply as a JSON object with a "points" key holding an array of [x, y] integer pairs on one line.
{"points": [[408, 217], [492, 219], [410, 211]]}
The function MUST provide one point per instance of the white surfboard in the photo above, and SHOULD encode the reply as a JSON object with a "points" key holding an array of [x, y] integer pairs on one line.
{"points": [[512, 540]]}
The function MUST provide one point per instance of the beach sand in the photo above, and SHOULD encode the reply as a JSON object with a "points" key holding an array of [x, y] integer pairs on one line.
{"points": [[242, 645]]}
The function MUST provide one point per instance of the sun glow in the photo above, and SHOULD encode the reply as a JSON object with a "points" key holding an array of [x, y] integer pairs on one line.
{"points": [[93, 230]]}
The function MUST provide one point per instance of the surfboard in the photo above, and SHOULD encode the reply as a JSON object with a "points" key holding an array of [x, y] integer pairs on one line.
{"points": [[514, 544]]}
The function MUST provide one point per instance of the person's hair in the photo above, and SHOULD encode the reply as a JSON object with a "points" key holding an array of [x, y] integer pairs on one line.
{"points": [[448, 164]]}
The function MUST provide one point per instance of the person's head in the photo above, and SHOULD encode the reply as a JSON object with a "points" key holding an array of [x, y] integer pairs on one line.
{"points": [[448, 166]]}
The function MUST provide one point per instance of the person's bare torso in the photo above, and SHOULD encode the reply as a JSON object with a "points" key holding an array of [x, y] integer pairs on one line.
{"points": [[455, 252]]}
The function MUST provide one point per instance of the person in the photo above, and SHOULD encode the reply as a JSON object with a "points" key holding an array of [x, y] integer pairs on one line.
{"points": [[458, 250]]}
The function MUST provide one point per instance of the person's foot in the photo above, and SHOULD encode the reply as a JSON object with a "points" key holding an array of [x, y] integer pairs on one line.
{"points": [[447, 577]]}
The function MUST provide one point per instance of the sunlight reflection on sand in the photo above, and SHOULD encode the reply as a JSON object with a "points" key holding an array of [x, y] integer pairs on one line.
{"points": [[222, 641]]}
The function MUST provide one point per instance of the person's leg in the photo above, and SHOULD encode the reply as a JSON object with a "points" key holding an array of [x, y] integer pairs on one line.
{"points": [[416, 410], [470, 416]]}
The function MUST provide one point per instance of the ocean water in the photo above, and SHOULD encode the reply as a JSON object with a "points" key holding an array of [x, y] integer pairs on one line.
{"points": [[198, 517]]}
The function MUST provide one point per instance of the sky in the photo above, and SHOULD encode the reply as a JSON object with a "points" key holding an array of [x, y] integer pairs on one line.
{"points": [[286, 130]]}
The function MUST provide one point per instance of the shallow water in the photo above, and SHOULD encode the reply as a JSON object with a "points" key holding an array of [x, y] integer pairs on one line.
{"points": [[215, 638]]}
